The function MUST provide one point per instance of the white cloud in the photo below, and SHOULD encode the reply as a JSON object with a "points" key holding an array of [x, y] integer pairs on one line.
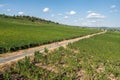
{"points": [[81, 19], [95, 16], [93, 21], [113, 6], [46, 9], [8, 10], [65, 17], [1, 5], [71, 12], [60, 14], [89, 11], [20, 13], [89, 23], [75, 20], [53, 15], [114, 10], [85, 24]]}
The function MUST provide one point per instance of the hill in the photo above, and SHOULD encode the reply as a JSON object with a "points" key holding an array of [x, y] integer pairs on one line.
{"points": [[25, 19], [21, 32]]}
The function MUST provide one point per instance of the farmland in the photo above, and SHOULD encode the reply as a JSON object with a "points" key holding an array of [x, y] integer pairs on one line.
{"points": [[21, 33], [96, 58]]}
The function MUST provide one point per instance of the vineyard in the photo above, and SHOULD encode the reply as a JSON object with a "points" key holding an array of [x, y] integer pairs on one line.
{"points": [[20, 33], [96, 58]]}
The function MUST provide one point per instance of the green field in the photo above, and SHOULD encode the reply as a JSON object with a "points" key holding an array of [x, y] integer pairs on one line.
{"points": [[96, 58], [16, 34], [101, 54]]}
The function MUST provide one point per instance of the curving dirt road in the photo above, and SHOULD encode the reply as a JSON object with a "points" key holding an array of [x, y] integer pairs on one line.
{"points": [[22, 53]]}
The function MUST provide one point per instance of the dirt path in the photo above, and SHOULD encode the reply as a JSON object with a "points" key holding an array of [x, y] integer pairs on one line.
{"points": [[8, 57]]}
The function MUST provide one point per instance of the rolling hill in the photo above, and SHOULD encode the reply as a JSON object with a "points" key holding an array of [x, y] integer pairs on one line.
{"points": [[21, 32]]}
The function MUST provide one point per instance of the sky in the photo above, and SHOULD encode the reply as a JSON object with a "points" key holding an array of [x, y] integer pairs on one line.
{"points": [[92, 13]]}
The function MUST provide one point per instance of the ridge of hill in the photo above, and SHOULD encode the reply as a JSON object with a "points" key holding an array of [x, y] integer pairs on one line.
{"points": [[27, 18]]}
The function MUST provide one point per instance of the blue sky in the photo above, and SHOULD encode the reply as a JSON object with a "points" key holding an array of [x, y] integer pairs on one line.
{"points": [[72, 12]]}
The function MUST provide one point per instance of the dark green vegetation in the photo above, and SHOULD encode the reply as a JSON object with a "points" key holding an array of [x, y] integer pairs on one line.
{"points": [[25, 19], [21, 32], [96, 58]]}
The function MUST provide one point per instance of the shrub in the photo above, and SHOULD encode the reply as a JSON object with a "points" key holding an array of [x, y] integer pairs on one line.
{"points": [[45, 50]]}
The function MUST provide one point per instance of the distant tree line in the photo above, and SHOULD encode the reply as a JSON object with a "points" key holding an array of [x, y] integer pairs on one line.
{"points": [[115, 29], [30, 18]]}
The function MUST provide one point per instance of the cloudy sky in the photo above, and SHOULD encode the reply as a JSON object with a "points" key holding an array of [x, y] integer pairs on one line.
{"points": [[72, 12]]}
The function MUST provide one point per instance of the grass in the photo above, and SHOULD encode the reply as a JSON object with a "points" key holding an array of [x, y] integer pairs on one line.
{"points": [[96, 58], [16, 34], [101, 51]]}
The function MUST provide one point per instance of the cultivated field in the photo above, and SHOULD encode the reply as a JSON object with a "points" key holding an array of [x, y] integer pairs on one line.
{"points": [[21, 33], [96, 58]]}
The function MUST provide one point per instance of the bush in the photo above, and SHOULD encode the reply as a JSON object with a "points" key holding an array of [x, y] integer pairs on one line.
{"points": [[45, 50], [2, 50]]}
